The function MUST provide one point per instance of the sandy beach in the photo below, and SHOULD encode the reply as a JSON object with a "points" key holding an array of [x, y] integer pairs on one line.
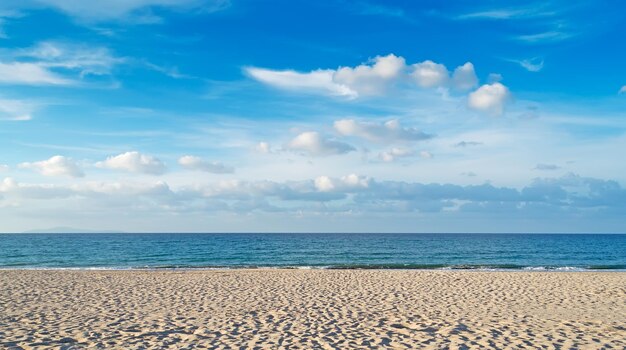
{"points": [[311, 309]]}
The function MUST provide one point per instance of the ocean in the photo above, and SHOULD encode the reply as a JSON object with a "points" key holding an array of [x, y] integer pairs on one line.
{"points": [[554, 252]]}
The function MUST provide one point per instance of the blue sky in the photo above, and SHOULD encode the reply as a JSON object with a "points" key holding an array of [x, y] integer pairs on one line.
{"points": [[216, 115]]}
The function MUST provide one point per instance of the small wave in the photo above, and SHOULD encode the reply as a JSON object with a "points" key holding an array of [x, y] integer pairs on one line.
{"points": [[440, 267], [555, 268]]}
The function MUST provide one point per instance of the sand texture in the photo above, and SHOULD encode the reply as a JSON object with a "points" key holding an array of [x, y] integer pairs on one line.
{"points": [[316, 309]]}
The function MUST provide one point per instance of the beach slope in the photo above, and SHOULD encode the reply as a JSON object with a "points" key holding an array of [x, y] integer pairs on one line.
{"points": [[311, 309]]}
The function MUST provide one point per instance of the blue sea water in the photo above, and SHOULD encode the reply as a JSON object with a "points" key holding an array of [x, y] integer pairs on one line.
{"points": [[561, 252]]}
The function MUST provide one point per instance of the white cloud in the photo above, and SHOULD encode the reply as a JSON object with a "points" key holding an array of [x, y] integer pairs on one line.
{"points": [[351, 197], [84, 59], [532, 65], [426, 154], [4, 167], [429, 74], [55, 166], [366, 79], [388, 132], [549, 36], [324, 184], [489, 98], [560, 192], [622, 90], [134, 162], [197, 163], [312, 143], [534, 11], [263, 147], [318, 81], [464, 77], [395, 153], [29, 74], [371, 78], [56, 63], [348, 183], [116, 10], [16, 110]]}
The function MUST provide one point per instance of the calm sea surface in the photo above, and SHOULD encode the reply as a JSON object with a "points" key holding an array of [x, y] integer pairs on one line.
{"points": [[402, 251]]}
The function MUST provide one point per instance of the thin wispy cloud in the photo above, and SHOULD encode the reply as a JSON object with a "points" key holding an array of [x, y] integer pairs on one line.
{"points": [[508, 13], [134, 11], [388, 132], [367, 8], [548, 36], [534, 64], [16, 110], [544, 166], [199, 164]]}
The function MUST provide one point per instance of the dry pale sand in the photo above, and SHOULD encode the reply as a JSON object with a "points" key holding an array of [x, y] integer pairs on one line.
{"points": [[298, 309]]}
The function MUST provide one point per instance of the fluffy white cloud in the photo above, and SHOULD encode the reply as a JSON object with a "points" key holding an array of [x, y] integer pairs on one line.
{"points": [[489, 98], [324, 184], [429, 74], [366, 79], [55, 166], [197, 163], [349, 183], [347, 195], [318, 81], [388, 132], [395, 153], [134, 162], [312, 143], [115, 10], [371, 78], [464, 77]]}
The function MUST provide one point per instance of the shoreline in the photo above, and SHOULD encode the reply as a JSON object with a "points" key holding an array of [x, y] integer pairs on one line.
{"points": [[304, 309], [531, 269]]}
